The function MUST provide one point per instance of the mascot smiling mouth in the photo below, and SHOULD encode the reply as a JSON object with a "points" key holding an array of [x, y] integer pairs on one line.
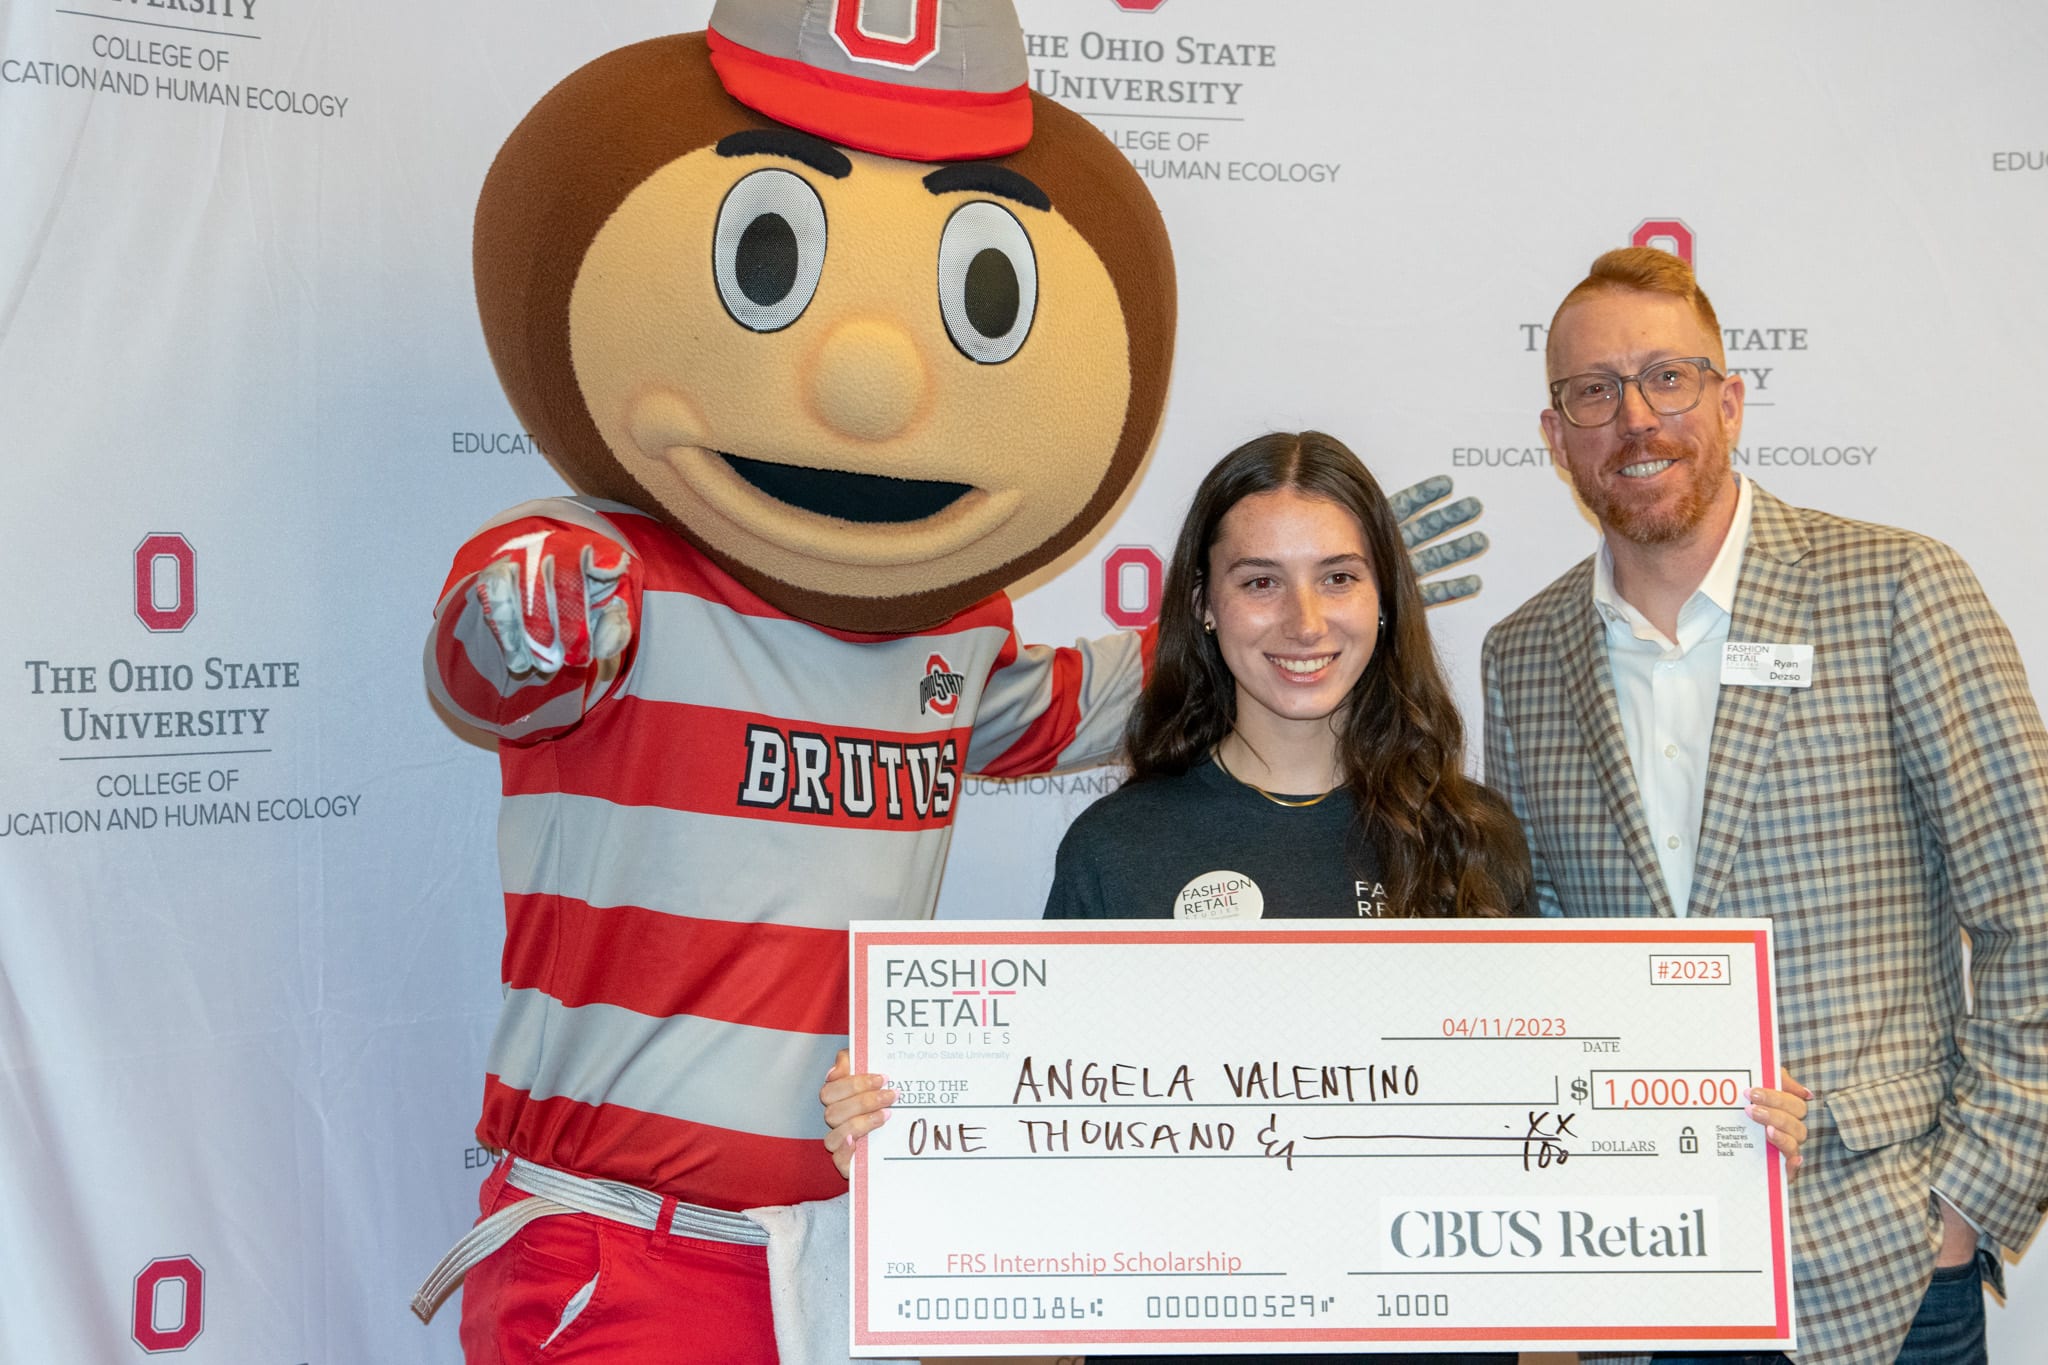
{"points": [[872, 499], [834, 516]]}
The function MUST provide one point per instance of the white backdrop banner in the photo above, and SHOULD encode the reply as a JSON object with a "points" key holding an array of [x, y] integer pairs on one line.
{"points": [[249, 910]]}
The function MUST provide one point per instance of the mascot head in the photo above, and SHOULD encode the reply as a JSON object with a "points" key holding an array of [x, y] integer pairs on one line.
{"points": [[830, 291]]}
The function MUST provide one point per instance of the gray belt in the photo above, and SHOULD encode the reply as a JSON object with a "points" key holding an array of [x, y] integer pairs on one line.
{"points": [[557, 1192]]}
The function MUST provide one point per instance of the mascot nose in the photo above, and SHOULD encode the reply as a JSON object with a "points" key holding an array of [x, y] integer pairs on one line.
{"points": [[869, 380]]}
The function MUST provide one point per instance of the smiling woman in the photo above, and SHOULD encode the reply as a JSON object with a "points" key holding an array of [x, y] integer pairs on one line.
{"points": [[1296, 733], [1296, 738], [1295, 753]]}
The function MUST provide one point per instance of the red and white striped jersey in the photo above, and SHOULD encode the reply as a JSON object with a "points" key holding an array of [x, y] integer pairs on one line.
{"points": [[686, 833]]}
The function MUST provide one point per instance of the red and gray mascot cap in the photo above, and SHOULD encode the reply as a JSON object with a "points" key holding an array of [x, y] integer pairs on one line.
{"points": [[920, 80]]}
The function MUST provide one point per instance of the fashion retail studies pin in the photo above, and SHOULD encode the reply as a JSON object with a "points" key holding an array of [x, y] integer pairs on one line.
{"points": [[1744, 664], [1220, 895]]}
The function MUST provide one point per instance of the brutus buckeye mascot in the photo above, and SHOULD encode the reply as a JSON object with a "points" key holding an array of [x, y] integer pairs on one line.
{"points": [[836, 329]]}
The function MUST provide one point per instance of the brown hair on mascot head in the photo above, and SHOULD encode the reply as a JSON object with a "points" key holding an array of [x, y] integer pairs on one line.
{"points": [[874, 385]]}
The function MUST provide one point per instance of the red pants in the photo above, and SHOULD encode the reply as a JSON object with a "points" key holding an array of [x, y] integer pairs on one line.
{"points": [[659, 1299]]}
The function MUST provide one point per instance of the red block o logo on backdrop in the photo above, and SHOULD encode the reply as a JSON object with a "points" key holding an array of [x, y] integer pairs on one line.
{"points": [[1670, 234], [154, 614], [1116, 582], [154, 1336], [909, 52], [1139, 6]]}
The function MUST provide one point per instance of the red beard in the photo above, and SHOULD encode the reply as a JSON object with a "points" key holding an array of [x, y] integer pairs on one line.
{"points": [[1675, 512]]}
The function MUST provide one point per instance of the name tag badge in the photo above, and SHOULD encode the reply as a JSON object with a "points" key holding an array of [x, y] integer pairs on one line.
{"points": [[1220, 895], [1753, 665]]}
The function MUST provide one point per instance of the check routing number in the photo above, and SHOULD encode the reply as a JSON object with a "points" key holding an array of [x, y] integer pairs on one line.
{"points": [[1292, 1136]]}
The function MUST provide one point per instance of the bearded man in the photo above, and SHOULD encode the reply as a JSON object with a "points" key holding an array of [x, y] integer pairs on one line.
{"points": [[1740, 708]]}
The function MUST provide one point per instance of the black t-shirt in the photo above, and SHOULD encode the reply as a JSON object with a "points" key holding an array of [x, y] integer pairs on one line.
{"points": [[1205, 846], [1192, 842]]}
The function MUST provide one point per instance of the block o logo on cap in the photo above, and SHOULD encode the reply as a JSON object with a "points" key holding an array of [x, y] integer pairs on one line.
{"points": [[911, 50], [861, 72]]}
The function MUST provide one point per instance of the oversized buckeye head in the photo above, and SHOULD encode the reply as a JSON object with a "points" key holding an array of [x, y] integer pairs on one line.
{"points": [[874, 357]]}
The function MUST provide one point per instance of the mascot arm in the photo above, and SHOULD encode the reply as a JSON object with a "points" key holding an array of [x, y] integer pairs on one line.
{"points": [[1048, 710], [534, 626]]}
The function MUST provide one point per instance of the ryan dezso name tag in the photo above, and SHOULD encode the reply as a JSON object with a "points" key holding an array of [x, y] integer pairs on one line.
{"points": [[1287, 1135], [1744, 664]]}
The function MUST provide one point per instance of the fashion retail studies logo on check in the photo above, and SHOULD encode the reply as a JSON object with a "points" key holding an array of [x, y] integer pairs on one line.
{"points": [[959, 1000]]}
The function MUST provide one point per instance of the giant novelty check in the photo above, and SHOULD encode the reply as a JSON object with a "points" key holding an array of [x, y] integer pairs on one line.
{"points": [[1286, 1135]]}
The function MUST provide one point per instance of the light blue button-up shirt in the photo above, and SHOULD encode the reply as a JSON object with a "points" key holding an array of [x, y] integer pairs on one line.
{"points": [[1667, 691]]}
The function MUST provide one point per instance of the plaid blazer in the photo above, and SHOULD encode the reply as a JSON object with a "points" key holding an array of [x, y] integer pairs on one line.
{"points": [[1899, 799]]}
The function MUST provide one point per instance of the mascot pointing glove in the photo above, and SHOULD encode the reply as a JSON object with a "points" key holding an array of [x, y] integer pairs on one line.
{"points": [[836, 329]]}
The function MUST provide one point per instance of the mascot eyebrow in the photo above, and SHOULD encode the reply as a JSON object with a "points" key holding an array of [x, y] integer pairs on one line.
{"points": [[820, 155], [989, 178], [985, 177]]}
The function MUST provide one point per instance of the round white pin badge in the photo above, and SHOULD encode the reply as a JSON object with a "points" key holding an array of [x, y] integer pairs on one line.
{"points": [[1218, 896]]}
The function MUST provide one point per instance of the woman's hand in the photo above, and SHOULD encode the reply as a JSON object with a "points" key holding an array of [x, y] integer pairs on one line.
{"points": [[1783, 1115], [854, 1106]]}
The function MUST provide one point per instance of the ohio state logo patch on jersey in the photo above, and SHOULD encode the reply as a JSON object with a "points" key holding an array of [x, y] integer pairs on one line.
{"points": [[939, 689]]}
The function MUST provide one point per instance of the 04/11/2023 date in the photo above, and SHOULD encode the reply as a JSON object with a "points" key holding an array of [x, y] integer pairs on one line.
{"points": [[1505, 1026]]}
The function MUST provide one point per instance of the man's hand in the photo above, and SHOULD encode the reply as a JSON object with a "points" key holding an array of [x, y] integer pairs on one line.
{"points": [[1421, 525], [854, 1107], [551, 599], [1783, 1115]]}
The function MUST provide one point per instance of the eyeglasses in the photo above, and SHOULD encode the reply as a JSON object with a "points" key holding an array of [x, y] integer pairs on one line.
{"points": [[1669, 387]]}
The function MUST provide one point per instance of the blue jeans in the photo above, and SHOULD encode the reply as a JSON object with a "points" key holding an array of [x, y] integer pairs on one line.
{"points": [[1947, 1330]]}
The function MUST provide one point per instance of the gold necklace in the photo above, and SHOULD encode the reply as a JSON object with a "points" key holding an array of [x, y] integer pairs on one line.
{"points": [[1217, 754]]}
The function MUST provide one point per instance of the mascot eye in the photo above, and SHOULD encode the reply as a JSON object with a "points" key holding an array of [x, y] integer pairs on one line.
{"points": [[988, 282], [769, 249]]}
